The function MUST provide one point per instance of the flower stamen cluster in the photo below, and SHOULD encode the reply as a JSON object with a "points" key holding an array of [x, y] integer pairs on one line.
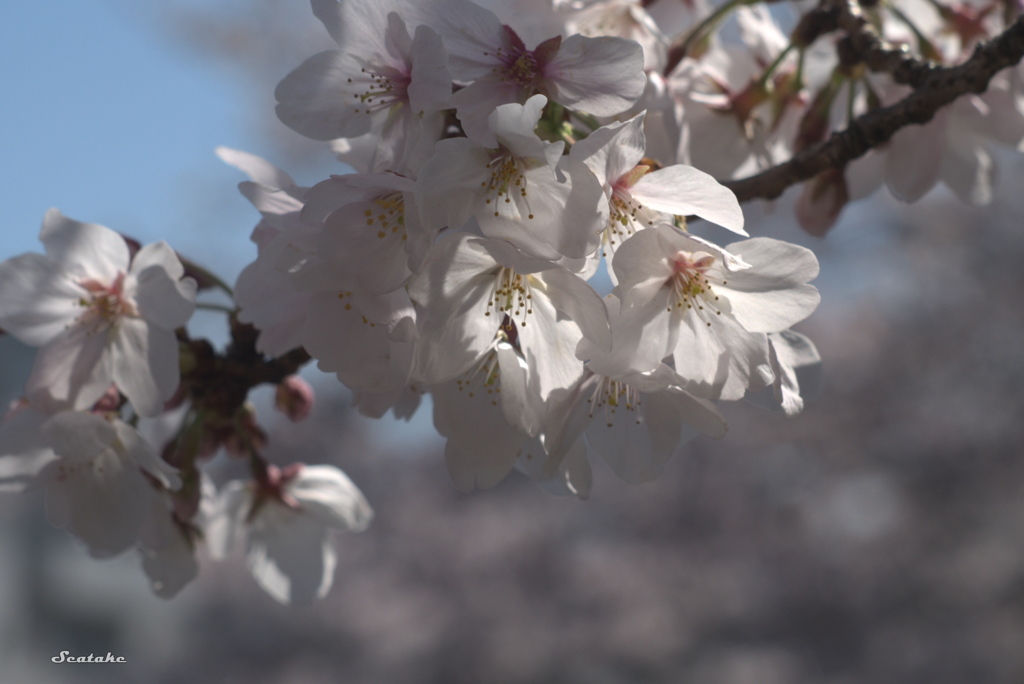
{"points": [[385, 88], [612, 395], [690, 283], [104, 305], [511, 296]]}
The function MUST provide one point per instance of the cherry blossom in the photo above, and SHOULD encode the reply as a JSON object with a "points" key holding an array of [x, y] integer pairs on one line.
{"points": [[518, 190], [737, 116], [470, 286], [167, 544], [371, 231], [639, 196], [634, 423], [486, 417], [797, 367], [601, 76], [709, 308], [381, 80], [622, 18], [91, 466], [98, 314], [285, 521], [366, 340]]}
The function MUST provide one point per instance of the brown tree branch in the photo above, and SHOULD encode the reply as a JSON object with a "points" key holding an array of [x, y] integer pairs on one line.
{"points": [[867, 47], [935, 87], [219, 382]]}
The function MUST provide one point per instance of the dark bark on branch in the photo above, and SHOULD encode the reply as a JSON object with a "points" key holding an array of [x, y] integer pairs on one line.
{"points": [[877, 54], [935, 87], [220, 382]]}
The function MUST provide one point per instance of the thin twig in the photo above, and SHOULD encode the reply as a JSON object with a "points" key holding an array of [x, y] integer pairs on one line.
{"points": [[935, 87]]}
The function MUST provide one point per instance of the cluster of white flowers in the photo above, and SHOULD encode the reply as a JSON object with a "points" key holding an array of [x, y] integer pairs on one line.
{"points": [[502, 159], [455, 259]]}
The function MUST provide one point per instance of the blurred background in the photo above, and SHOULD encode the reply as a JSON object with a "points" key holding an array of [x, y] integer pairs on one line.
{"points": [[878, 537]]}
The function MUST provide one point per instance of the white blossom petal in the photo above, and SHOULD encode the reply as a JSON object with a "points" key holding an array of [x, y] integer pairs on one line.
{"points": [[316, 99], [774, 294], [290, 555], [603, 76], [162, 295], [72, 371], [482, 446], [330, 497], [144, 361], [87, 250], [100, 496], [683, 190], [258, 169], [39, 300], [225, 529], [914, 159], [637, 444], [168, 557]]}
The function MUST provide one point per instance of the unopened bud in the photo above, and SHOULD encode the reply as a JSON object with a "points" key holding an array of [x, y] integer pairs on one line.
{"points": [[821, 201], [294, 398], [814, 125]]}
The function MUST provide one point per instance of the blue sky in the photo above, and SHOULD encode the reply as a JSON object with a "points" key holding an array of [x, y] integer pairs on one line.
{"points": [[112, 123]]}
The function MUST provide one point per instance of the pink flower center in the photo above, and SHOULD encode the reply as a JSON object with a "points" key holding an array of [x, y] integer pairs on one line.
{"points": [[104, 304], [692, 264], [524, 67], [691, 287], [626, 213], [520, 67]]}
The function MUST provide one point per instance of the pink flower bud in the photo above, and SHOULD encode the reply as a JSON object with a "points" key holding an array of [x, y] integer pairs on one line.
{"points": [[294, 398]]}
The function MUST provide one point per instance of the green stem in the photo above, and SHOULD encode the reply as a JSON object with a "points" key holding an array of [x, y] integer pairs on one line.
{"points": [[775, 65], [698, 31], [928, 51]]}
